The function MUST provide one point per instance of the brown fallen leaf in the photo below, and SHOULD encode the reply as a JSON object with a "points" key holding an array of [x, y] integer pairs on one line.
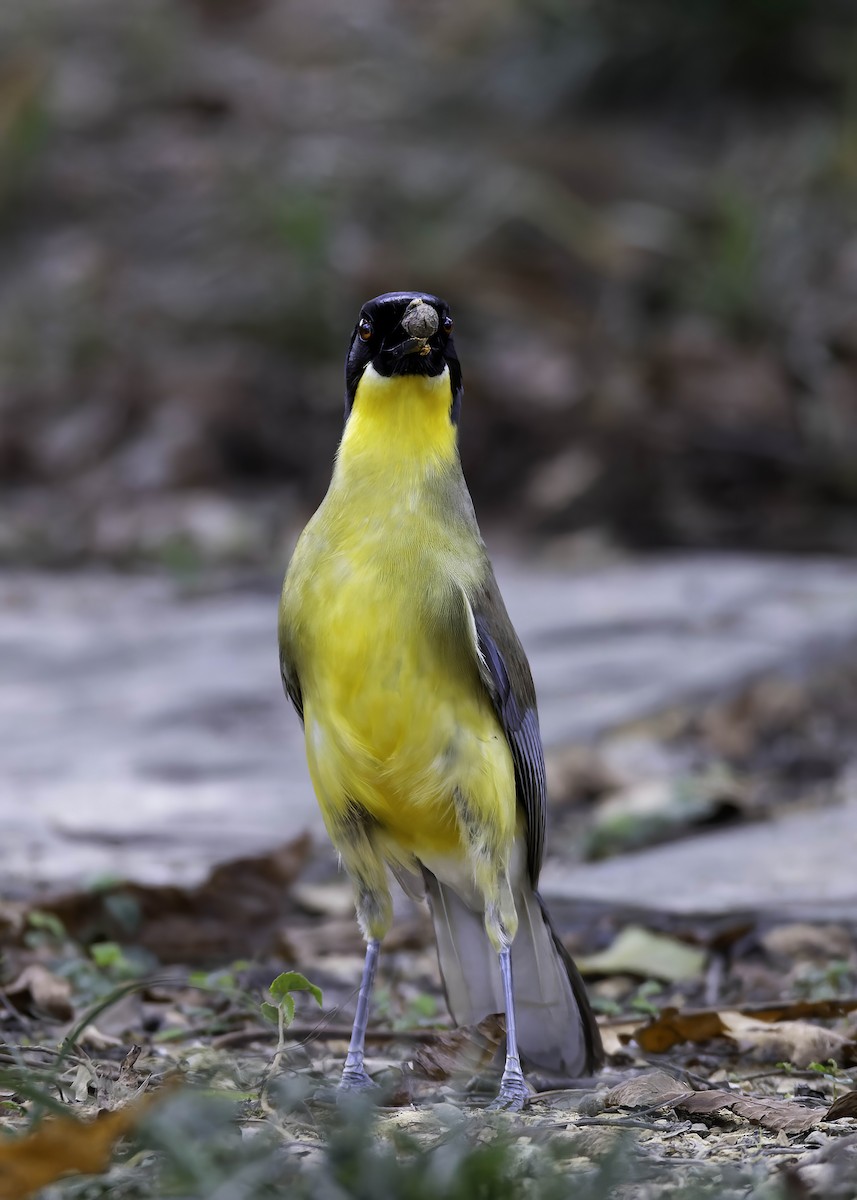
{"points": [[821, 943], [235, 913], [770, 1112], [672, 1026], [61, 1145], [657, 1089], [845, 1106], [463, 1051], [796, 1010], [796, 1042], [38, 991], [653, 1089]]}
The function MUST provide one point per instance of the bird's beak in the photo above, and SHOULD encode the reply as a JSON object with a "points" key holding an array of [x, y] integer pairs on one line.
{"points": [[420, 322], [413, 345]]}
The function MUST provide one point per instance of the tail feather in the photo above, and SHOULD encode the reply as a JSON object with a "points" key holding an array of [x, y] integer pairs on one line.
{"points": [[556, 1028], [593, 1049]]}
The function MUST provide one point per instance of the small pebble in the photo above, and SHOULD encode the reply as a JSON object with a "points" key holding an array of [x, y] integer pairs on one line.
{"points": [[592, 1105], [448, 1114]]}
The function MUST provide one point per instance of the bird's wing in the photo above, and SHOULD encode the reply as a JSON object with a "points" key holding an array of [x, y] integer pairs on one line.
{"points": [[506, 674], [288, 671]]}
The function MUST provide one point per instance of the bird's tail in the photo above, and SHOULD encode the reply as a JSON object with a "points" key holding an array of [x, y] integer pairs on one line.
{"points": [[556, 1028]]}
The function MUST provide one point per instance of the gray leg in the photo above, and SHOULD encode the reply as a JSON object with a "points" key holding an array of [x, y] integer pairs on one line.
{"points": [[513, 1093], [354, 1075], [356, 840]]}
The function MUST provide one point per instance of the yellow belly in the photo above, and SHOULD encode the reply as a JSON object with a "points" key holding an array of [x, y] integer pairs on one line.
{"points": [[397, 720]]}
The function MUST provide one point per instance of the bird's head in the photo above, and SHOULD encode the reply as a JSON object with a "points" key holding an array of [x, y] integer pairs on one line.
{"points": [[403, 333]]}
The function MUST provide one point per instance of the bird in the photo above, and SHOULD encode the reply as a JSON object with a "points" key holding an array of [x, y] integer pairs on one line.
{"points": [[418, 704]]}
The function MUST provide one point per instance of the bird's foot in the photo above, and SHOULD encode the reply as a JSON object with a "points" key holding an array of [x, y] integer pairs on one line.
{"points": [[513, 1094], [354, 1077]]}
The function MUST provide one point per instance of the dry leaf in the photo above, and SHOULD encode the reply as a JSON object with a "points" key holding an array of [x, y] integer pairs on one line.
{"points": [[638, 951], [234, 913], [795, 1010], [92, 1037], [754, 1024], [654, 1089], [803, 940], [657, 1089], [845, 1106], [38, 990], [59, 1145], [615, 1037], [784, 1116], [464, 1051], [796, 1042], [670, 1027]]}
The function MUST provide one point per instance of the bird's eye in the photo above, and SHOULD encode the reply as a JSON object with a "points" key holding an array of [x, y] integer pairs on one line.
{"points": [[447, 323], [364, 329]]}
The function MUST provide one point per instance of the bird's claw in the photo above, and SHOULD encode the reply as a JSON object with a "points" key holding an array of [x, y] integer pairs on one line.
{"points": [[513, 1094], [354, 1077]]}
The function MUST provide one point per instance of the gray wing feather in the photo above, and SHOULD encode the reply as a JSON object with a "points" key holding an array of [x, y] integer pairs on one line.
{"points": [[506, 672]]}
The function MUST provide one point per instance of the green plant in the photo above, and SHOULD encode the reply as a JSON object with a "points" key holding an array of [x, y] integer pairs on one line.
{"points": [[829, 1070], [283, 1009], [643, 1002]]}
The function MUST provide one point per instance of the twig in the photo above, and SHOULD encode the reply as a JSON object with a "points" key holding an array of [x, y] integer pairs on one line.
{"points": [[315, 1033], [770, 1010], [619, 1122]]}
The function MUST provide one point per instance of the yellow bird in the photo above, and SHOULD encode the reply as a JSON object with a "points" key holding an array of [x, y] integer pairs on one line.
{"points": [[422, 733]]}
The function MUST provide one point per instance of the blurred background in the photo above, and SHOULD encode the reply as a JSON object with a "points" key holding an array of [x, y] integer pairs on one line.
{"points": [[642, 212]]}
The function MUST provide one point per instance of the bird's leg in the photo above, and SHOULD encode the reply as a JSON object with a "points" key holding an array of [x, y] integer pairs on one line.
{"points": [[513, 1093], [374, 913], [354, 1074], [490, 868]]}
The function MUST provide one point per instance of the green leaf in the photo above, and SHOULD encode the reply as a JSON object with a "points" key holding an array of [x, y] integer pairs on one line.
{"points": [[107, 954], [293, 981], [638, 951], [285, 1006], [47, 921], [424, 1005]]}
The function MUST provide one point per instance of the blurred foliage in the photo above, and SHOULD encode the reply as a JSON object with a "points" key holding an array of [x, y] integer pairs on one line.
{"points": [[190, 1146], [641, 211], [764, 48]]}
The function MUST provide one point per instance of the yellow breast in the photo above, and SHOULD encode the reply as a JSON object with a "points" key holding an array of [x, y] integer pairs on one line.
{"points": [[396, 717]]}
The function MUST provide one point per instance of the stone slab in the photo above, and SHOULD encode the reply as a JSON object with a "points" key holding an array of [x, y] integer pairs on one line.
{"points": [[143, 730], [801, 866]]}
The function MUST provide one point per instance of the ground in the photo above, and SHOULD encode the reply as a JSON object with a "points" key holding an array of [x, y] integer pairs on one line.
{"points": [[699, 869]]}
